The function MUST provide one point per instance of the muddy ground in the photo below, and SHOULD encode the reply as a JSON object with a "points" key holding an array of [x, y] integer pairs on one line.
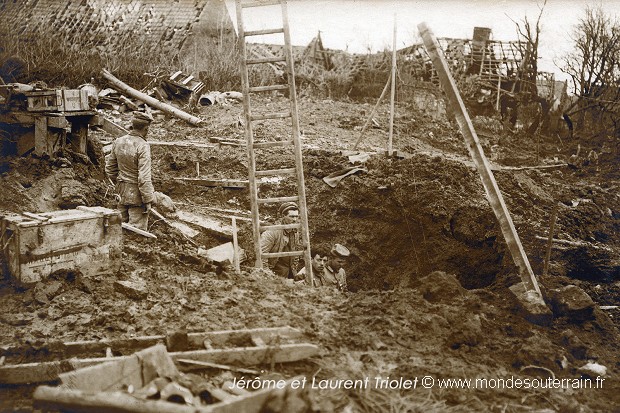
{"points": [[428, 274]]}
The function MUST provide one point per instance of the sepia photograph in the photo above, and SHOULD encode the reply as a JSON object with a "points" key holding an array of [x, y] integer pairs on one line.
{"points": [[295, 206]]}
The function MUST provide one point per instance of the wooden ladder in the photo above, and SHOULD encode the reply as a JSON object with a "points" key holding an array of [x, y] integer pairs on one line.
{"points": [[294, 143]]}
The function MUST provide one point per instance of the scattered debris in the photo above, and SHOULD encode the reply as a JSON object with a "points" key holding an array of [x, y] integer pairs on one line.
{"points": [[149, 100]]}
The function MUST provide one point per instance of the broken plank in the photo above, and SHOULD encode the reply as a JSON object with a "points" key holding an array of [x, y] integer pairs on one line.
{"points": [[117, 373], [225, 183], [207, 364], [58, 398]]}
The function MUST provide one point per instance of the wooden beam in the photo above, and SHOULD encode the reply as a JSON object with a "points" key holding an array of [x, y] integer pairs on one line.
{"points": [[482, 164]]}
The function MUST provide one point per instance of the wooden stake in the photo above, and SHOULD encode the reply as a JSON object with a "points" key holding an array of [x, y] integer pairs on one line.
{"points": [[482, 164], [554, 215], [138, 230], [392, 92], [372, 112], [235, 245]]}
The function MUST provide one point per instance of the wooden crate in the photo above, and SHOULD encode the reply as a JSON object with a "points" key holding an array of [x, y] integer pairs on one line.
{"points": [[66, 100], [88, 239], [44, 101]]}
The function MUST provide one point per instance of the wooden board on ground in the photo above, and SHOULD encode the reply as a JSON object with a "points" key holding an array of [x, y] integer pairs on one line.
{"points": [[210, 224], [273, 337]]}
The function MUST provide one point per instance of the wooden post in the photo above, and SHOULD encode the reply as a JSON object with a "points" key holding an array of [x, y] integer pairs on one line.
{"points": [[79, 134], [372, 112], [554, 216], [392, 91], [235, 245], [40, 136], [499, 88], [482, 164]]}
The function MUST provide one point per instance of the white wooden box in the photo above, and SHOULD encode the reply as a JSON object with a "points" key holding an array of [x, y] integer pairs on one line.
{"points": [[88, 239]]}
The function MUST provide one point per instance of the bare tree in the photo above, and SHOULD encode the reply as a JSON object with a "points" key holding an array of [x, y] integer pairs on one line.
{"points": [[529, 34], [593, 69]]}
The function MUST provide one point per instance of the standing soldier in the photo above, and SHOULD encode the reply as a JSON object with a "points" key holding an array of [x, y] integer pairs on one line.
{"points": [[129, 168]]}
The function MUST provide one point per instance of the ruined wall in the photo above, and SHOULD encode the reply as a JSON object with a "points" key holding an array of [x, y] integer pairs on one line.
{"points": [[109, 24]]}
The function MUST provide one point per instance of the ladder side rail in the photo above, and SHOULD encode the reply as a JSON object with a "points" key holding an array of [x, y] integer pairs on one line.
{"points": [[305, 232], [245, 85]]}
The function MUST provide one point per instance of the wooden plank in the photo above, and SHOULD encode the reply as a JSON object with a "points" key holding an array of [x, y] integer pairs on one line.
{"points": [[475, 149], [251, 356], [50, 371], [195, 340], [269, 335]]}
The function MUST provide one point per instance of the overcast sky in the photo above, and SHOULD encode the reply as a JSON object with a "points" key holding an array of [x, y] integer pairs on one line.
{"points": [[362, 25]]}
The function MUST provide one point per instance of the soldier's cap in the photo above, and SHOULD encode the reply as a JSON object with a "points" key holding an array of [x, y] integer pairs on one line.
{"points": [[339, 250], [287, 206], [141, 118]]}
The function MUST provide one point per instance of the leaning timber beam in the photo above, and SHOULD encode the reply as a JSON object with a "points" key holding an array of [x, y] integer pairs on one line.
{"points": [[482, 164], [124, 88]]}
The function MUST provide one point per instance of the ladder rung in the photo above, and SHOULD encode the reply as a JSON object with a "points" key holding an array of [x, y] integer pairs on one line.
{"points": [[262, 145], [266, 60], [278, 199], [282, 254], [281, 226], [268, 88], [272, 172], [259, 3], [271, 116], [264, 31]]}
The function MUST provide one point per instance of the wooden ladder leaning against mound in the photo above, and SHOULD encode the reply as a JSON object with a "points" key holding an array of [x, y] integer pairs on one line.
{"points": [[293, 143]]}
